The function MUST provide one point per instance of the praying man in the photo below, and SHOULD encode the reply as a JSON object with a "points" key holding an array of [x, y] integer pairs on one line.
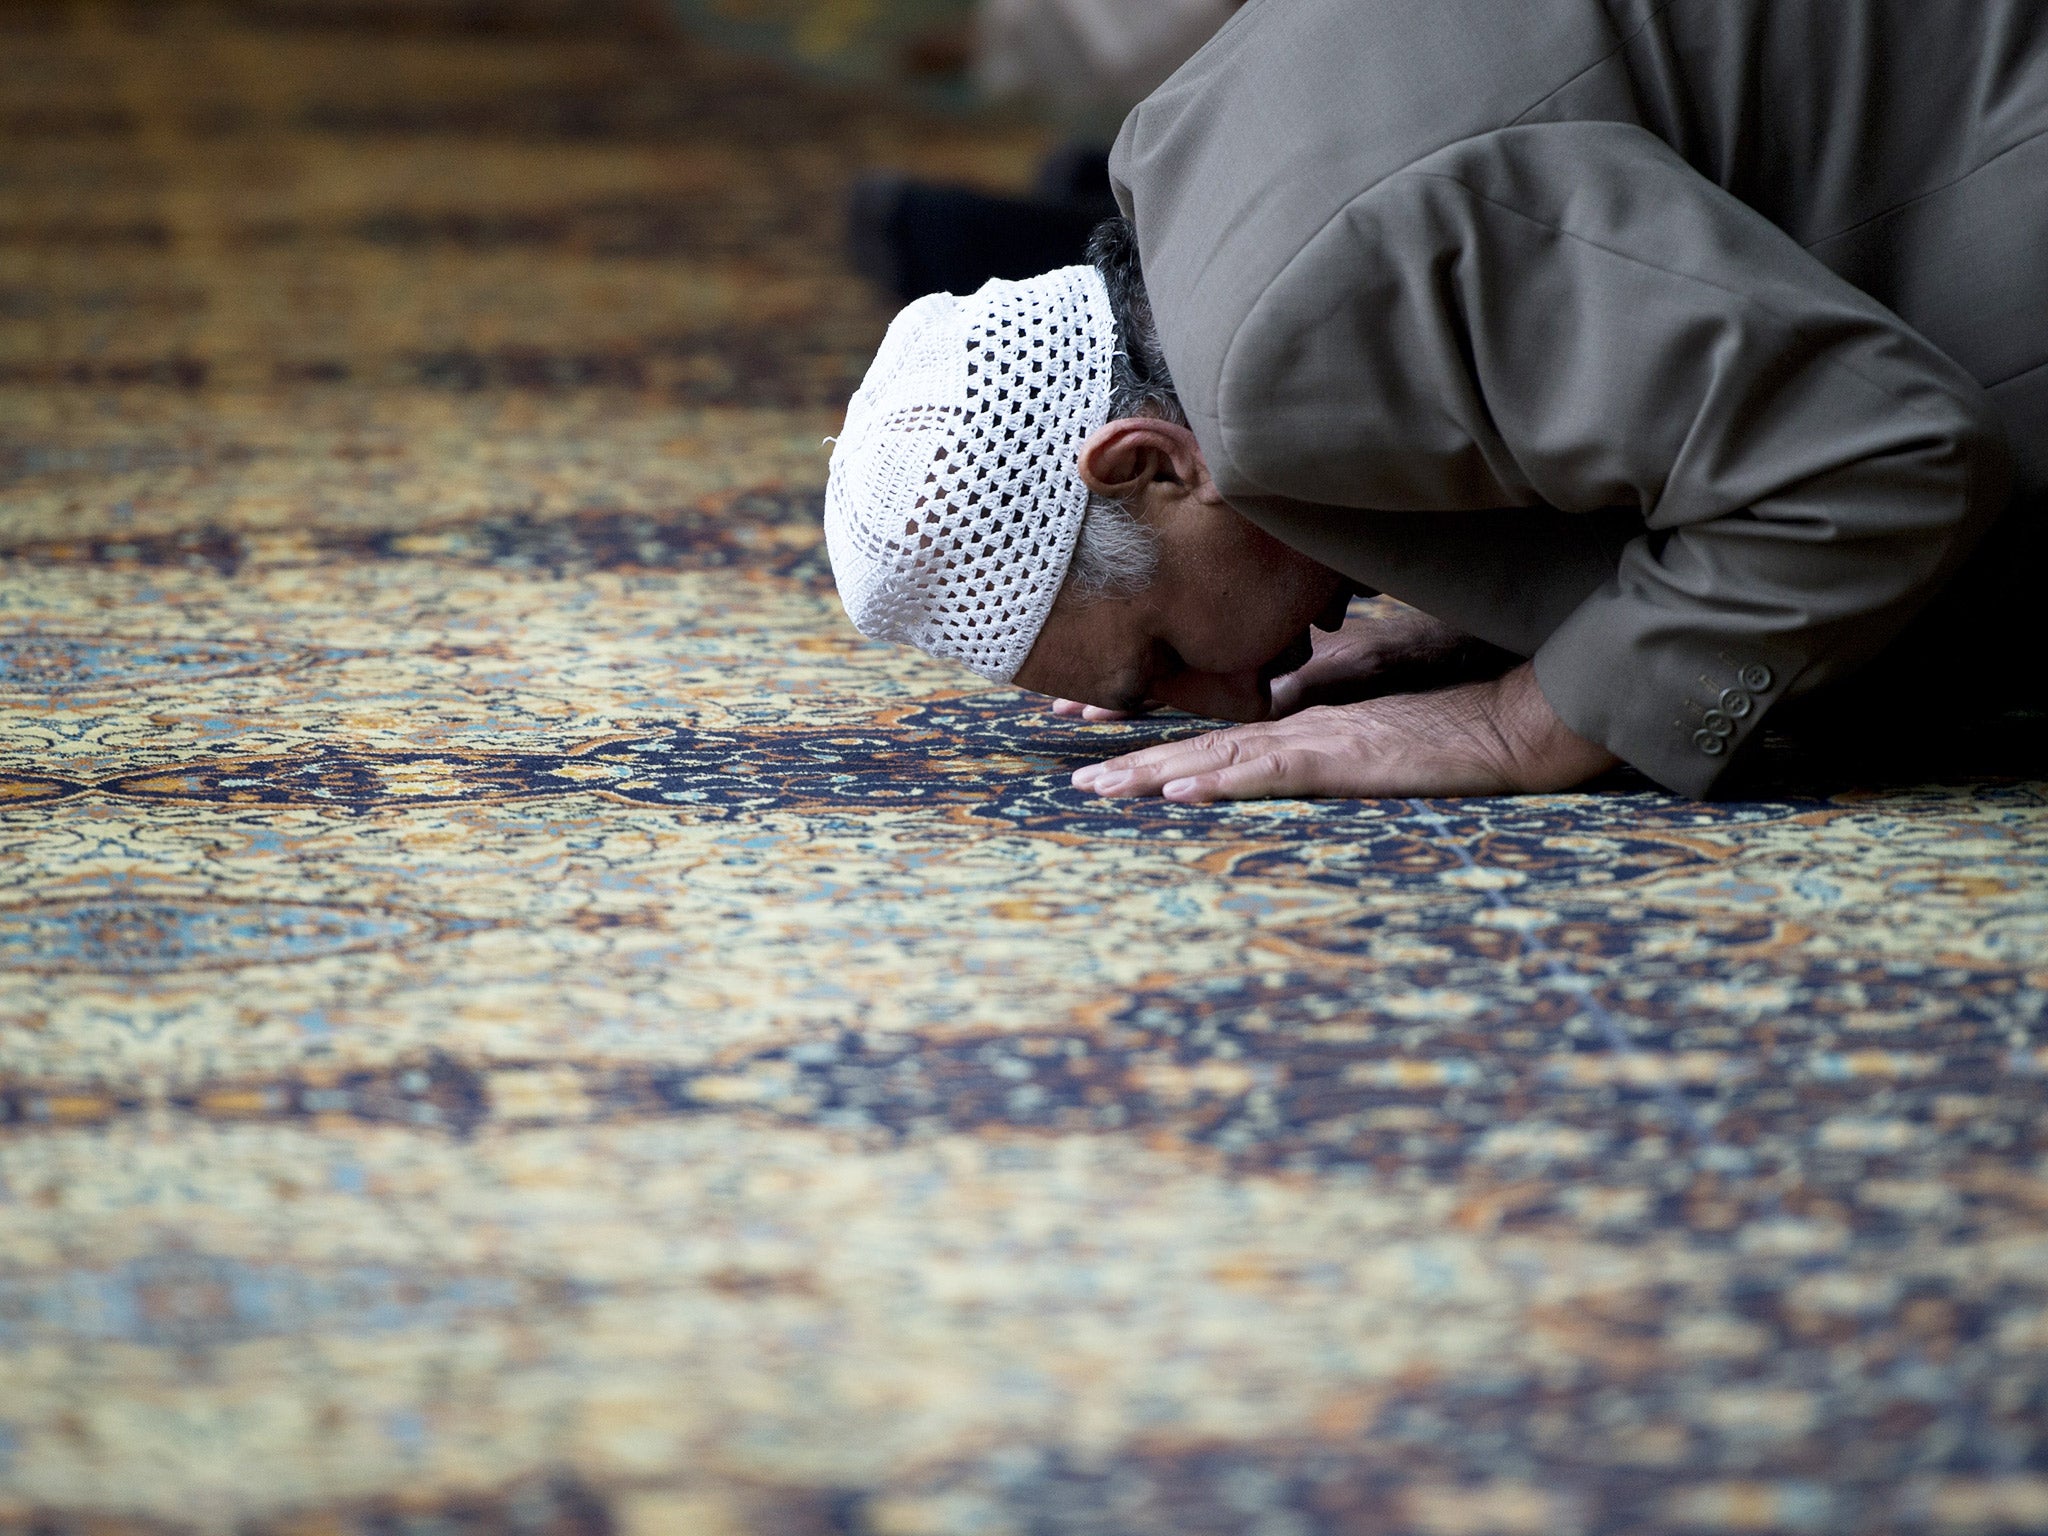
{"points": [[1687, 357]]}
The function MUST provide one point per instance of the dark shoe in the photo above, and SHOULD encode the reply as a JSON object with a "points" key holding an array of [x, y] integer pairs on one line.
{"points": [[874, 230], [1075, 173], [914, 237]]}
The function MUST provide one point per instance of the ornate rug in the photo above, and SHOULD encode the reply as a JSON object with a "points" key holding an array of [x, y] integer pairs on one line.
{"points": [[513, 1018]]}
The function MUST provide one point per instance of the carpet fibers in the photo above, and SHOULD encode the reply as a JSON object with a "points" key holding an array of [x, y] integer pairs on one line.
{"points": [[513, 1018]]}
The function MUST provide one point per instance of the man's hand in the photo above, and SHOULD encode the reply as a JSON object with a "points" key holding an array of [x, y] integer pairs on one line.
{"points": [[1491, 738], [1383, 647]]}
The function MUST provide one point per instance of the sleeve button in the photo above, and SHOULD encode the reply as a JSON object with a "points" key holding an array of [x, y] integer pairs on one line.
{"points": [[1717, 724], [1709, 743], [1735, 703], [1756, 677]]}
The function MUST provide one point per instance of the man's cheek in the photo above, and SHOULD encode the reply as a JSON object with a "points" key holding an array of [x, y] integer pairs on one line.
{"points": [[1238, 696]]}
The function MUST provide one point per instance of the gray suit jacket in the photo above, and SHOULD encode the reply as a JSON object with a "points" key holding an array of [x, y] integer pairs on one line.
{"points": [[1684, 345]]}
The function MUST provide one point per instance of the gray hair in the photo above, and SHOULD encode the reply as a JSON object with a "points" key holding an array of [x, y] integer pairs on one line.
{"points": [[1116, 554]]}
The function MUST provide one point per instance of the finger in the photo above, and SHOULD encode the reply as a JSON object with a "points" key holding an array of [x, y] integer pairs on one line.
{"points": [[1142, 773], [1316, 684], [1269, 774], [1074, 709], [1156, 764], [1344, 658], [1290, 689], [1094, 714], [1118, 773]]}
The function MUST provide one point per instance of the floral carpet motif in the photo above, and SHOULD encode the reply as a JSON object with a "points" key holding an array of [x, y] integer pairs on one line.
{"points": [[514, 1018]]}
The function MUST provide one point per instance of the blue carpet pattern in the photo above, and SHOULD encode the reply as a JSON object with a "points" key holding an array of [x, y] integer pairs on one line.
{"points": [[513, 1018]]}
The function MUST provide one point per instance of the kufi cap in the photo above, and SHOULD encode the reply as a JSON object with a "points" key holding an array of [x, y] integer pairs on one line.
{"points": [[954, 501]]}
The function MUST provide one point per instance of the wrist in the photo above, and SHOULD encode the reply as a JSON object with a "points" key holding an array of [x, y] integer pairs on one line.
{"points": [[1548, 754]]}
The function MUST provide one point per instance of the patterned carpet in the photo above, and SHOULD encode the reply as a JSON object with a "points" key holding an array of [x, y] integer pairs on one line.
{"points": [[514, 1019]]}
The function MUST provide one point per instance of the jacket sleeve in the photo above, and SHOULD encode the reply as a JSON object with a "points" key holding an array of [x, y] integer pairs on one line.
{"points": [[1568, 314]]}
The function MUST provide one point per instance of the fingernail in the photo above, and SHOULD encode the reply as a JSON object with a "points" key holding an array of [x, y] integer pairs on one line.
{"points": [[1176, 788], [1109, 782], [1083, 777]]}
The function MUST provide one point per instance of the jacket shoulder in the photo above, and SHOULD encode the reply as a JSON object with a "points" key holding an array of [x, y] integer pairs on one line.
{"points": [[1295, 109]]}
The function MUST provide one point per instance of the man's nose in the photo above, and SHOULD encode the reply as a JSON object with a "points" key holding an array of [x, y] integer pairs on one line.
{"points": [[1240, 696]]}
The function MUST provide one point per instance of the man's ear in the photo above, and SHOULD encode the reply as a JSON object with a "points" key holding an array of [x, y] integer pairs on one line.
{"points": [[1122, 457]]}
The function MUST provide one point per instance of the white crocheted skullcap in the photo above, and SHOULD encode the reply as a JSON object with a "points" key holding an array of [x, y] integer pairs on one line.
{"points": [[954, 498]]}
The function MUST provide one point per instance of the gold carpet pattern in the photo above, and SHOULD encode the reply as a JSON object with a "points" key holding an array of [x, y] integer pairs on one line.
{"points": [[514, 1018]]}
